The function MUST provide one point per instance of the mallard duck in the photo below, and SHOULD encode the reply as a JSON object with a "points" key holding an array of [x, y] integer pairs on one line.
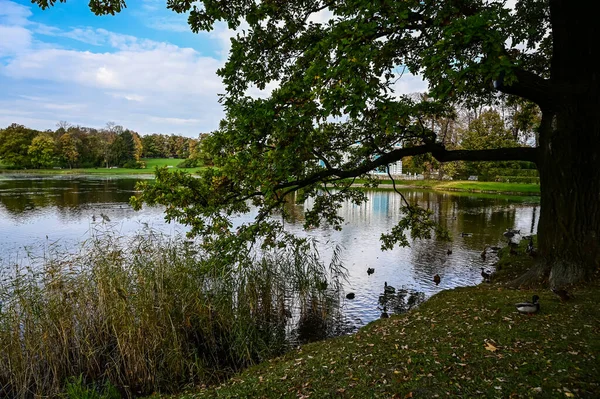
{"points": [[463, 234], [562, 294], [370, 271], [486, 276], [529, 307], [437, 279], [449, 252], [388, 289], [350, 295]]}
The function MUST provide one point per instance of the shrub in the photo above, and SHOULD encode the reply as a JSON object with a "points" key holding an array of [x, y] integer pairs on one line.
{"points": [[188, 163], [133, 164]]}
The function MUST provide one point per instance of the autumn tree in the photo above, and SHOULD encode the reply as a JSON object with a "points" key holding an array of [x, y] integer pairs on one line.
{"points": [[42, 151], [68, 149], [15, 141], [335, 115]]}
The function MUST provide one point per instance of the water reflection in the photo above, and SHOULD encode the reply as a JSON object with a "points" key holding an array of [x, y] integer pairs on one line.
{"points": [[42, 210]]}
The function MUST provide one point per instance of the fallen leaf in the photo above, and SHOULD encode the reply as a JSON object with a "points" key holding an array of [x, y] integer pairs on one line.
{"points": [[490, 347]]}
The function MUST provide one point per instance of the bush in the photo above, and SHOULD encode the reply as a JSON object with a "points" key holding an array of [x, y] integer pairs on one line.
{"points": [[188, 163], [133, 164]]}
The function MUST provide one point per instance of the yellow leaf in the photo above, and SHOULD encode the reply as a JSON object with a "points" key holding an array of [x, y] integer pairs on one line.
{"points": [[569, 395], [490, 347]]}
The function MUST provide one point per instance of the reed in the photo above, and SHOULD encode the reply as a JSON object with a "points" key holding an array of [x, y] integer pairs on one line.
{"points": [[153, 314]]}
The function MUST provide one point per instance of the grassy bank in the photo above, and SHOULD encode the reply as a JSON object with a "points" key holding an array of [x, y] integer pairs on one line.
{"points": [[151, 164], [469, 186], [467, 342]]}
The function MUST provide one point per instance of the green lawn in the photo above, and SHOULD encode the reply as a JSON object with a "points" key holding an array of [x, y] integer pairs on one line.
{"points": [[463, 185], [462, 343], [151, 163]]}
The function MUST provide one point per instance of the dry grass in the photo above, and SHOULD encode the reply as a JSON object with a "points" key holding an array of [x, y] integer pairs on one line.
{"points": [[149, 315]]}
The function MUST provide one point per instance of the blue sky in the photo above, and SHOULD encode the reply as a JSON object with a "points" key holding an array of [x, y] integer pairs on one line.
{"points": [[142, 69]]}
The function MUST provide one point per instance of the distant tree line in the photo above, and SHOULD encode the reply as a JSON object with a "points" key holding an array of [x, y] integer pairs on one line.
{"points": [[82, 147]]}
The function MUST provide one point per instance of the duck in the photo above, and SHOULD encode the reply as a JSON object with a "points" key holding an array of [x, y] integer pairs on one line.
{"points": [[463, 234], [562, 294], [370, 271], [510, 233], [486, 276], [529, 307], [384, 314], [449, 252], [529, 246], [437, 279], [484, 252], [350, 295], [388, 289]]}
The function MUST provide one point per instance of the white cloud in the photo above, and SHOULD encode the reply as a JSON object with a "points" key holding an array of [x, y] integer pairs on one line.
{"points": [[14, 40], [13, 13], [175, 121]]}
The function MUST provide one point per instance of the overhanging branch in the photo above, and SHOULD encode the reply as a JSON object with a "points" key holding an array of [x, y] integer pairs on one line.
{"points": [[438, 151]]}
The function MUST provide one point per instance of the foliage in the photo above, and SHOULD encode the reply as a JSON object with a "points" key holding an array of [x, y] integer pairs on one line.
{"points": [[485, 132], [166, 146], [152, 314], [77, 389], [41, 151], [68, 149], [76, 147], [14, 145], [133, 164]]}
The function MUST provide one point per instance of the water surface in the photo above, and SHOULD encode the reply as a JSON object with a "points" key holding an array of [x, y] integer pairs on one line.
{"points": [[36, 212]]}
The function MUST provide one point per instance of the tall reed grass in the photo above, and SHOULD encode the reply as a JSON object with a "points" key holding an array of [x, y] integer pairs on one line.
{"points": [[150, 314]]}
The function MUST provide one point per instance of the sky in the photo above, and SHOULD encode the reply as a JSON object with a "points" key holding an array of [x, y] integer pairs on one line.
{"points": [[143, 68]]}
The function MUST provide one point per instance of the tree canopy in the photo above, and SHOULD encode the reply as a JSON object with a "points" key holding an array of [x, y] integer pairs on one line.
{"points": [[335, 113]]}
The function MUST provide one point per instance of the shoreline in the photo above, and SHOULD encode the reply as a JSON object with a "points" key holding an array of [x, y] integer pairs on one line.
{"points": [[511, 189]]}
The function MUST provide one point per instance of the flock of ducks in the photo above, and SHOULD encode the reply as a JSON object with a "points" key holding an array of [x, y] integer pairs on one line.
{"points": [[528, 308]]}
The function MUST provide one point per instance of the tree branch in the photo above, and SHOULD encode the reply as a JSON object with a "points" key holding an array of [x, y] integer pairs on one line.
{"points": [[438, 151], [529, 86]]}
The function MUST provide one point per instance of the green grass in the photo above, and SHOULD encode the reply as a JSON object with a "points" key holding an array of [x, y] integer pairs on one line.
{"points": [[489, 186], [462, 185], [151, 163], [466, 342]]}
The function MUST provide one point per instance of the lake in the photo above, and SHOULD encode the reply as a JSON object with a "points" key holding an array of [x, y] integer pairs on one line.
{"points": [[39, 211]]}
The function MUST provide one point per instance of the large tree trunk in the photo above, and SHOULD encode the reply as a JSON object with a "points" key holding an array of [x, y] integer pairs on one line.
{"points": [[569, 151], [569, 166]]}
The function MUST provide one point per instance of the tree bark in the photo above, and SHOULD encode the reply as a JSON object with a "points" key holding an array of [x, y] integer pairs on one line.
{"points": [[569, 166], [569, 151]]}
